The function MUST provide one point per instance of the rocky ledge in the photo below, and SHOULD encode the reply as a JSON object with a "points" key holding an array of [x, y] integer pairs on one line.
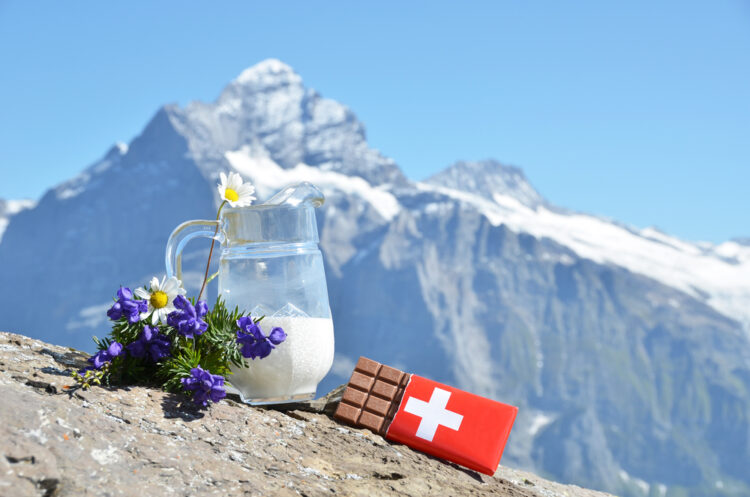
{"points": [[58, 441]]}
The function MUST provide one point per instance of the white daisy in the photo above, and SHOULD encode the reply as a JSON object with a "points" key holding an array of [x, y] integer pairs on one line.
{"points": [[160, 298], [234, 191]]}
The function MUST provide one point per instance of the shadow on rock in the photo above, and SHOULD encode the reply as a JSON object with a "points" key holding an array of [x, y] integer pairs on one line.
{"points": [[323, 405], [473, 474], [178, 406]]}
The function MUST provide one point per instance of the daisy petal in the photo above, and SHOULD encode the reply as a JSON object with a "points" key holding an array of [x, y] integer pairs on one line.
{"points": [[235, 181], [245, 189], [154, 284], [142, 293], [170, 285]]}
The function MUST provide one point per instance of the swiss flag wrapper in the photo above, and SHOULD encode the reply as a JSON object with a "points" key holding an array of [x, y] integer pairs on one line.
{"points": [[452, 424]]}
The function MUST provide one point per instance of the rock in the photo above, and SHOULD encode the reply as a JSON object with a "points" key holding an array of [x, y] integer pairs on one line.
{"points": [[62, 441], [325, 405]]}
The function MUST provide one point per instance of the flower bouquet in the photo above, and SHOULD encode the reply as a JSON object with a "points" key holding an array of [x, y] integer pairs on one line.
{"points": [[161, 337]]}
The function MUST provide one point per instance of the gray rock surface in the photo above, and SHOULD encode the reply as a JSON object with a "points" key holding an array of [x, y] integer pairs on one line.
{"points": [[61, 441]]}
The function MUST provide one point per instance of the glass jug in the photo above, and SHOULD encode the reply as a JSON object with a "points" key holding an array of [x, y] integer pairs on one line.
{"points": [[270, 265]]}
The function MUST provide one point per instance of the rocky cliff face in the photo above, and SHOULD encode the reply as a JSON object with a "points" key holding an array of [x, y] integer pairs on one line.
{"points": [[139, 441]]}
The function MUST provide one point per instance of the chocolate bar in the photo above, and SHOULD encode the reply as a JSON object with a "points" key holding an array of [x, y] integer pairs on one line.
{"points": [[426, 415], [372, 396]]}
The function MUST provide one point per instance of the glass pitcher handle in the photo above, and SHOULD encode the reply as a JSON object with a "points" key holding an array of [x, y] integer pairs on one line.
{"points": [[183, 234]]}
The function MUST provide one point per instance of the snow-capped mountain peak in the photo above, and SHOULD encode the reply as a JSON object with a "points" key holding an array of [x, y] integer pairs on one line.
{"points": [[268, 108], [269, 83], [488, 178], [270, 72]]}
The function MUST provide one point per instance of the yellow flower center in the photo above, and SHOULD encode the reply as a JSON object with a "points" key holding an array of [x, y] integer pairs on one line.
{"points": [[231, 195], [159, 299]]}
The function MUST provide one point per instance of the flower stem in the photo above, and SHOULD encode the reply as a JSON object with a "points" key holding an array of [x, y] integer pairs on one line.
{"points": [[210, 252]]}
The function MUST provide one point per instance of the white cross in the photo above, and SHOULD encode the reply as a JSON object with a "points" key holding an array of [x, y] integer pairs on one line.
{"points": [[433, 413]]}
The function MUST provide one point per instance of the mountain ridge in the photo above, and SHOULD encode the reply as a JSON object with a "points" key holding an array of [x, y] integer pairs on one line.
{"points": [[603, 335], [487, 178]]}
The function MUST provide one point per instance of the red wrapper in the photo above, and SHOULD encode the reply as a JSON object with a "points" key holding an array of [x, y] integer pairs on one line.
{"points": [[452, 424]]}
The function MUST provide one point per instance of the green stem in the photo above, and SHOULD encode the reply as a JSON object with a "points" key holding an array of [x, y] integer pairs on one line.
{"points": [[210, 252]]}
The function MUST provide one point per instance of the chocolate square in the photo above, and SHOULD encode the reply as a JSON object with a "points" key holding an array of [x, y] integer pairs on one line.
{"points": [[372, 396]]}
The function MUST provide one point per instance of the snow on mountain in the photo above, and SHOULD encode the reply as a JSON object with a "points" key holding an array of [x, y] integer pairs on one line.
{"points": [[267, 73], [734, 251], [718, 275], [604, 335], [269, 177], [9, 208], [269, 109], [488, 178]]}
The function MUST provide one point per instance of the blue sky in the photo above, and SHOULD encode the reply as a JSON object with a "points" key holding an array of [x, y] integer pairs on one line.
{"points": [[636, 110]]}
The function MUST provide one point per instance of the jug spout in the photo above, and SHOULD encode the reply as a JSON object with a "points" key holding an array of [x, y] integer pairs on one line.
{"points": [[286, 218], [297, 195]]}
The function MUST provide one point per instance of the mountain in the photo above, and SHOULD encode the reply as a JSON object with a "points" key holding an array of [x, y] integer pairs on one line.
{"points": [[626, 350], [488, 179], [9, 208]]}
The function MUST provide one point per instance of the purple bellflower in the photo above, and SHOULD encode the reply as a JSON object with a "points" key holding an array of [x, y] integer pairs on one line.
{"points": [[254, 343], [187, 318], [127, 306], [150, 343], [103, 356], [206, 386]]}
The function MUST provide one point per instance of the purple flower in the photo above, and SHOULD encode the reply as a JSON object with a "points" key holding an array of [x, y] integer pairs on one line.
{"points": [[127, 306], [254, 343], [206, 386], [277, 335], [152, 343], [187, 318], [106, 355]]}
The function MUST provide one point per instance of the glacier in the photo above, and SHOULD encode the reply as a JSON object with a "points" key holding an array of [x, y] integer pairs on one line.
{"points": [[716, 274]]}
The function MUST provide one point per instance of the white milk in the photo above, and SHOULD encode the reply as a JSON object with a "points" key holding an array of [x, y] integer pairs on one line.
{"points": [[294, 368]]}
